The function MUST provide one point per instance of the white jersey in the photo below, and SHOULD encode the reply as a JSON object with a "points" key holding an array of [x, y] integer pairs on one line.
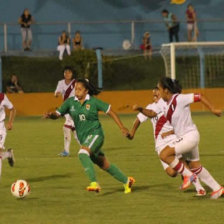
{"points": [[66, 91], [160, 124], [179, 114], [4, 103]]}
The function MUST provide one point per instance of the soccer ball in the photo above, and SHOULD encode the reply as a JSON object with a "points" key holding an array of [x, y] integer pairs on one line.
{"points": [[20, 189], [126, 44]]}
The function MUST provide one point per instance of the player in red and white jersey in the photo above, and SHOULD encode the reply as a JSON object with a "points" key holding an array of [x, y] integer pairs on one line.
{"points": [[179, 114], [66, 89], [163, 132], [5, 103]]}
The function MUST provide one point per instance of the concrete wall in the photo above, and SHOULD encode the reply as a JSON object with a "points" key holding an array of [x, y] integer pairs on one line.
{"points": [[105, 35], [36, 104]]}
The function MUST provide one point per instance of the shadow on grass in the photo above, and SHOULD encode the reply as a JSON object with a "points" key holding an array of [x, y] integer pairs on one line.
{"points": [[44, 178], [117, 148], [214, 155]]}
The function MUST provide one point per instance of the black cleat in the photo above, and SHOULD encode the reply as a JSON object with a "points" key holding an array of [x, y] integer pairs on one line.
{"points": [[11, 159]]}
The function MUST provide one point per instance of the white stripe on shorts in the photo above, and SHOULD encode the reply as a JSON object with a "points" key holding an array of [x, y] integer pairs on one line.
{"points": [[93, 141]]}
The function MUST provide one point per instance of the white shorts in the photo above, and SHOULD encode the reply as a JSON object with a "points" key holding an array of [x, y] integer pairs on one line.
{"points": [[69, 123], [2, 135], [187, 146]]}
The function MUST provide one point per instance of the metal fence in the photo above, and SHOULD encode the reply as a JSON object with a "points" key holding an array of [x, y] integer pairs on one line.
{"points": [[105, 34]]}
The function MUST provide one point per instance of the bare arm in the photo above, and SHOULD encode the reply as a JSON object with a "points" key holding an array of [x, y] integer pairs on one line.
{"points": [[206, 102], [146, 112], [51, 115], [134, 129], [117, 120], [12, 115]]}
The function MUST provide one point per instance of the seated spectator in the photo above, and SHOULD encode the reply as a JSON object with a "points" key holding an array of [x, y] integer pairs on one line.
{"points": [[77, 41], [25, 21], [63, 43], [13, 85], [146, 45]]}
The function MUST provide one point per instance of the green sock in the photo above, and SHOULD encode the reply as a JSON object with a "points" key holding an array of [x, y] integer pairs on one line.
{"points": [[88, 166], [117, 174]]}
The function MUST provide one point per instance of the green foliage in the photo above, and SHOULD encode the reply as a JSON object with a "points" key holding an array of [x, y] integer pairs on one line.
{"points": [[58, 184]]}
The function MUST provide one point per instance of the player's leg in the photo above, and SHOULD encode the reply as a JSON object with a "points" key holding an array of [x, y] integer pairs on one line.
{"points": [[61, 49], [68, 49]]}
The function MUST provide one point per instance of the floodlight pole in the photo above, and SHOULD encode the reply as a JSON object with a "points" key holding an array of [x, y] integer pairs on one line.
{"points": [[99, 67], [0, 74]]}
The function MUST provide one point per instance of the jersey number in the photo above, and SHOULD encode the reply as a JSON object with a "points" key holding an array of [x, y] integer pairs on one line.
{"points": [[82, 117]]}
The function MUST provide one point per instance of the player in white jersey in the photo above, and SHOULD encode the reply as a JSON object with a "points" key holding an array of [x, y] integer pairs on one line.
{"points": [[179, 114], [5, 103], [163, 132], [65, 88]]}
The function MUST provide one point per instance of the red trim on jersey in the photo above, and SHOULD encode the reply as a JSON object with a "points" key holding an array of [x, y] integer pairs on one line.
{"points": [[69, 89], [197, 97], [2, 96], [171, 109], [159, 125]]}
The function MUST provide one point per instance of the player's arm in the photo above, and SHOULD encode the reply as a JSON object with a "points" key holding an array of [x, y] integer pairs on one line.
{"points": [[165, 134], [134, 129], [146, 112], [201, 98], [12, 114], [117, 120], [52, 115]]}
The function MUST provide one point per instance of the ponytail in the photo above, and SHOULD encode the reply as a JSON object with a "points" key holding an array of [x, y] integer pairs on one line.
{"points": [[172, 85], [92, 90]]}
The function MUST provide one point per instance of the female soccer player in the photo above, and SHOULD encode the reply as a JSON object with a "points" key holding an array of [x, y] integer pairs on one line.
{"points": [[163, 132], [83, 108], [5, 103], [179, 114], [65, 88]]}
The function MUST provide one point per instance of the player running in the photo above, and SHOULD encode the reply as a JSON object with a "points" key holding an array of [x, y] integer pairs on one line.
{"points": [[65, 88], [5, 103], [163, 132], [84, 109], [179, 114]]}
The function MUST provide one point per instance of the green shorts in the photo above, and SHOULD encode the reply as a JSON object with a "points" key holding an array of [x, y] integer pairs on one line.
{"points": [[94, 143]]}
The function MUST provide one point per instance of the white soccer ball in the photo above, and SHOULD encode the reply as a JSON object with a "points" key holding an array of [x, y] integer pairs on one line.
{"points": [[20, 189], [126, 44]]}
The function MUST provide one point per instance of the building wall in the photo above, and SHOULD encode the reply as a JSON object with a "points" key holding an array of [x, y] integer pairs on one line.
{"points": [[104, 35]]}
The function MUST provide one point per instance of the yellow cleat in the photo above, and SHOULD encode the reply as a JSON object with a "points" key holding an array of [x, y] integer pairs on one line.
{"points": [[128, 185], [94, 186]]}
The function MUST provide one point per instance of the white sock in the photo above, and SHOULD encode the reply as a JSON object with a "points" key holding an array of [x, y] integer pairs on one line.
{"points": [[0, 167], [75, 136], [67, 138], [197, 185], [5, 155], [177, 165], [207, 178]]}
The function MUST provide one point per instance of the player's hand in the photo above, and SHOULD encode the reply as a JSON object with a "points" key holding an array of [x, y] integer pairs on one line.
{"points": [[217, 112], [46, 115], [125, 131], [135, 107], [130, 136], [9, 126]]}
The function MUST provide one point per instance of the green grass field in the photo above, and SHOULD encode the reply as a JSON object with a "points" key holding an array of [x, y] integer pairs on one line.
{"points": [[58, 184]]}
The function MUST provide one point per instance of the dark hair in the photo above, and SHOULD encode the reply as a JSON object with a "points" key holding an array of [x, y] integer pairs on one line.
{"points": [[155, 88], [165, 11], [92, 90], [172, 85], [68, 68]]}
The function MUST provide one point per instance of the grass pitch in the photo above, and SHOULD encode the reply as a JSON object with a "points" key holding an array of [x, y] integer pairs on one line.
{"points": [[58, 184]]}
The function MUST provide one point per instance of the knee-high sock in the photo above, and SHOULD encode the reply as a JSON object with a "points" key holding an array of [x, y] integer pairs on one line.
{"points": [[177, 165], [88, 166], [0, 167], [117, 174], [207, 178], [67, 138]]}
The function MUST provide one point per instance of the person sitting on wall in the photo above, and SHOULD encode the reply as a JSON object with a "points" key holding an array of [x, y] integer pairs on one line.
{"points": [[77, 41], [63, 43], [13, 85]]}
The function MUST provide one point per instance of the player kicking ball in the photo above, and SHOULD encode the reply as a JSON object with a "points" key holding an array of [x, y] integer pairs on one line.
{"points": [[5, 103], [84, 108]]}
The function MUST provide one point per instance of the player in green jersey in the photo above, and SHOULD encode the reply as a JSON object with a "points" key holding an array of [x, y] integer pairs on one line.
{"points": [[84, 108]]}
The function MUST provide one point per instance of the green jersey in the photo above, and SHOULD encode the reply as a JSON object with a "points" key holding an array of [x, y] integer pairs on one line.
{"points": [[85, 116]]}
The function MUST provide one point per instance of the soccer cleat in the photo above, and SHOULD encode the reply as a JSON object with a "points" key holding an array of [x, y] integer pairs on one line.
{"points": [[200, 193], [187, 181], [11, 159], [64, 154], [217, 194], [94, 186], [128, 185]]}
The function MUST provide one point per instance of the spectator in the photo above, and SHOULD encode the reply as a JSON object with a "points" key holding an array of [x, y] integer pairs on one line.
{"points": [[192, 28], [77, 41], [172, 25], [25, 20], [63, 43], [146, 45], [13, 85]]}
